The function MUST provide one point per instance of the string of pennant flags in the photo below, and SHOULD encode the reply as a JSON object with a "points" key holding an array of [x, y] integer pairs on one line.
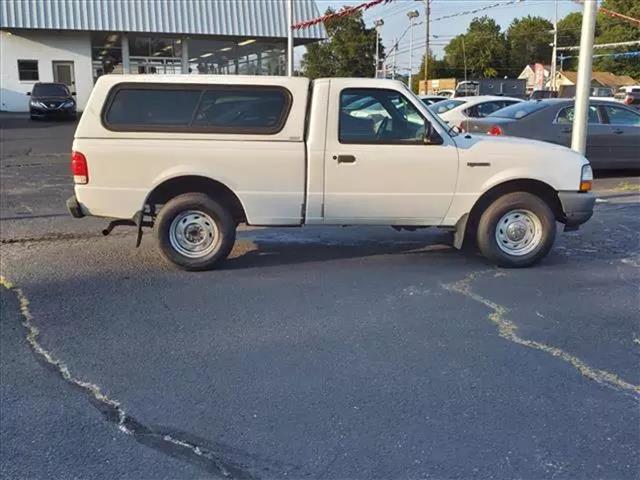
{"points": [[346, 11], [612, 14], [343, 12]]}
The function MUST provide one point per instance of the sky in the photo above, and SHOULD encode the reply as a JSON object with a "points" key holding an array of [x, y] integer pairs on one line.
{"points": [[396, 22]]}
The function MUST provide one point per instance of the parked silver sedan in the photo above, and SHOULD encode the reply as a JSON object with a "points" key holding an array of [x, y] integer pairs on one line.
{"points": [[613, 135]]}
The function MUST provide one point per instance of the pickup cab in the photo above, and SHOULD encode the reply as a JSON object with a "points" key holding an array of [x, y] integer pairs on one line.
{"points": [[194, 156]]}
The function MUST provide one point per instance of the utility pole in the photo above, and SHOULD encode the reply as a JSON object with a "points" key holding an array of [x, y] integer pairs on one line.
{"points": [[583, 83], [289, 38], [413, 14], [378, 23], [554, 55]]}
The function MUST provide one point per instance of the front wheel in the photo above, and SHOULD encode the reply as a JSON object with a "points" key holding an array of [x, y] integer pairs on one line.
{"points": [[516, 230], [195, 232]]}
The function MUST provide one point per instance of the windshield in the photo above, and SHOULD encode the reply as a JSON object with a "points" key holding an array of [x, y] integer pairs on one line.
{"points": [[50, 90], [433, 117], [519, 110]]}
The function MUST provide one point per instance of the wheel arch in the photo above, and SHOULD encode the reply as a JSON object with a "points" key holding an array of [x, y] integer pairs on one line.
{"points": [[172, 187], [536, 187]]}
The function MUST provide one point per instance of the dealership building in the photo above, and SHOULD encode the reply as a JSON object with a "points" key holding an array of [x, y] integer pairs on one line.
{"points": [[76, 41]]}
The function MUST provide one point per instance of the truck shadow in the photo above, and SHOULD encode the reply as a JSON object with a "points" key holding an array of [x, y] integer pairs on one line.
{"points": [[267, 252]]}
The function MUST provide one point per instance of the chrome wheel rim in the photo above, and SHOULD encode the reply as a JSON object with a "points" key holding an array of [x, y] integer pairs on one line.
{"points": [[193, 234], [519, 232]]}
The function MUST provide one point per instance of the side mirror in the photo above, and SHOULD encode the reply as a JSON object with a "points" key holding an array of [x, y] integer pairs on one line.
{"points": [[29, 93], [431, 137], [73, 93]]}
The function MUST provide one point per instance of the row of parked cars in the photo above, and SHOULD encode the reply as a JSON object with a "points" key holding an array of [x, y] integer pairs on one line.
{"points": [[613, 136]]}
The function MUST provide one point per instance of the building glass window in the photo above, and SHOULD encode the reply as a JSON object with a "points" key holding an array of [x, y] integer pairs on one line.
{"points": [[106, 53], [28, 70]]}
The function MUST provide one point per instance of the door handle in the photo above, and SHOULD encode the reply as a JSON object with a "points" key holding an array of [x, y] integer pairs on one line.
{"points": [[345, 158], [566, 130], [617, 131]]}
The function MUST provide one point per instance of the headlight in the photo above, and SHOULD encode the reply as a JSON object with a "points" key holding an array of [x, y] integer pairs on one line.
{"points": [[35, 103], [68, 103], [586, 178]]}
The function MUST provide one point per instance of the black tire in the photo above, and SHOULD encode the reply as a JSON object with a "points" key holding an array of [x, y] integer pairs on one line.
{"points": [[488, 227], [221, 246]]}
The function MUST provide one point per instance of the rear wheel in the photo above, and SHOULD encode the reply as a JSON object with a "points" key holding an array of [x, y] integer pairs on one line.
{"points": [[195, 232], [516, 230]]}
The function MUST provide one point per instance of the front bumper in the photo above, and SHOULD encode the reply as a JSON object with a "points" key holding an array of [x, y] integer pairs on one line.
{"points": [[74, 207], [68, 112], [577, 207]]}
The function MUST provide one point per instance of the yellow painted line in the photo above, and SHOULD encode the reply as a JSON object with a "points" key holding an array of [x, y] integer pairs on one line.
{"points": [[508, 330]]}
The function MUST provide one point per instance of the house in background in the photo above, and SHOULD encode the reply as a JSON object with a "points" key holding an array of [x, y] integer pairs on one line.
{"points": [[537, 76], [566, 81], [74, 42]]}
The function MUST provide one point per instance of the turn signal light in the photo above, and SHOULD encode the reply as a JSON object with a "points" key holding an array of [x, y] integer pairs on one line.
{"points": [[585, 185], [495, 130], [79, 168]]}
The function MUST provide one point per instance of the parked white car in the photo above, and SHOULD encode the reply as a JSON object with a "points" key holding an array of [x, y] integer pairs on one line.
{"points": [[456, 111], [193, 156]]}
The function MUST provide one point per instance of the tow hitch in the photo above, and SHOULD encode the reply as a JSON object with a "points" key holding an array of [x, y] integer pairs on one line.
{"points": [[137, 221]]}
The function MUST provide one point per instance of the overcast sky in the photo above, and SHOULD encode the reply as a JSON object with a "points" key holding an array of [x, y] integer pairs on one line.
{"points": [[394, 15]]}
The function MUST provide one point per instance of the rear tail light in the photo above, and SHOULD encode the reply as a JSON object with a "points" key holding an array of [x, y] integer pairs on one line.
{"points": [[461, 127], [495, 130], [628, 100], [79, 168]]}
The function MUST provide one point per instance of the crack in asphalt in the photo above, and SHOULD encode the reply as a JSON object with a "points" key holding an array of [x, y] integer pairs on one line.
{"points": [[508, 330], [113, 410]]}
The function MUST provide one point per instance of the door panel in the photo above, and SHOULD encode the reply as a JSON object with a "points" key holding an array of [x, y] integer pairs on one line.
{"points": [[598, 133], [624, 136], [378, 170]]}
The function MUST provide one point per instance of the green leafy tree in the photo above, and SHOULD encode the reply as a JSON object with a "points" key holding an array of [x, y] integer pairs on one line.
{"points": [[484, 47], [569, 35], [612, 30], [438, 68], [528, 39], [349, 51]]}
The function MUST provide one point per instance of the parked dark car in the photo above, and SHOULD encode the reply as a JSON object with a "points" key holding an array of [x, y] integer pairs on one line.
{"points": [[51, 100], [613, 133]]}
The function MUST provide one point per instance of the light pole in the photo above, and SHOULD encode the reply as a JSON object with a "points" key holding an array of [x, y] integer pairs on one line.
{"points": [[583, 83], [289, 38], [413, 14], [378, 23], [395, 52]]}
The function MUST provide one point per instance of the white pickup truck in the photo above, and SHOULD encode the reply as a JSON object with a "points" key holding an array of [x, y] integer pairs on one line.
{"points": [[193, 156]]}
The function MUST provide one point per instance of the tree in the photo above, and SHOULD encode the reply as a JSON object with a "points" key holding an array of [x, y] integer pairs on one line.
{"points": [[349, 51], [528, 40], [484, 47], [569, 35], [616, 30], [437, 69]]}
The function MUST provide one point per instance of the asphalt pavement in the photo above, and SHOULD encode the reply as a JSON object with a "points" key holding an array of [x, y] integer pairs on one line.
{"points": [[329, 353]]}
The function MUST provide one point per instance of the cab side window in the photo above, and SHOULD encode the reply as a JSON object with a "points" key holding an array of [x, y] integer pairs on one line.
{"points": [[378, 116], [565, 116]]}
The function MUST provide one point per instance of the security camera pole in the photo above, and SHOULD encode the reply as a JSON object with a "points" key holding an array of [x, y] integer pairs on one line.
{"points": [[583, 85]]}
